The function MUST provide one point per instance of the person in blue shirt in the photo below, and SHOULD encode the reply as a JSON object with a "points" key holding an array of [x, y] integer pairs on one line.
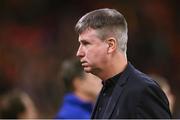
{"points": [[82, 90]]}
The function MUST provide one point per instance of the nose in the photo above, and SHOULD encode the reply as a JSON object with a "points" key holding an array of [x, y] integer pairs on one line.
{"points": [[80, 52]]}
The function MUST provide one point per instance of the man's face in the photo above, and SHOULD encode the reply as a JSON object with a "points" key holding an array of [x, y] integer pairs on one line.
{"points": [[92, 51]]}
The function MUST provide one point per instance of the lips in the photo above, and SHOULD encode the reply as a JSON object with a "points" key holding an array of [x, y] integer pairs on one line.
{"points": [[84, 64]]}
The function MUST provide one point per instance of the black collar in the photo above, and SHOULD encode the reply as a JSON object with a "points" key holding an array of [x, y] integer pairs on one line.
{"points": [[111, 81]]}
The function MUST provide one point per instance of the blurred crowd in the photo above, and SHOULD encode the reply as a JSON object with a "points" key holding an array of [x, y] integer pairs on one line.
{"points": [[36, 36]]}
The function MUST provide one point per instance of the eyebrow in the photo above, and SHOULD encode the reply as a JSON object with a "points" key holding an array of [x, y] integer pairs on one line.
{"points": [[83, 40]]}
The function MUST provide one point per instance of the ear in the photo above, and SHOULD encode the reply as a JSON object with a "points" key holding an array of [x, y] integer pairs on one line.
{"points": [[112, 44]]}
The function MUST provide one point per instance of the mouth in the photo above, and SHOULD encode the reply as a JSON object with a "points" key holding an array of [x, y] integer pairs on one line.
{"points": [[84, 64]]}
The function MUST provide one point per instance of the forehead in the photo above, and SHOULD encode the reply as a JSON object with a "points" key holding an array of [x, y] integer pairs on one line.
{"points": [[88, 34]]}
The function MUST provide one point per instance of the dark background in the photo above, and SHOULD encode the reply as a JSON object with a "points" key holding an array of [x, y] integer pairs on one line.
{"points": [[37, 35]]}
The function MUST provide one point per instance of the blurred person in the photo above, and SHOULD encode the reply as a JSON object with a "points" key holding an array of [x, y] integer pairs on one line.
{"points": [[126, 92], [82, 90], [5, 83], [163, 82], [16, 104]]}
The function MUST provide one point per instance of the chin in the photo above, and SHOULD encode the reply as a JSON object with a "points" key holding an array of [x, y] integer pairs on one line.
{"points": [[87, 70]]}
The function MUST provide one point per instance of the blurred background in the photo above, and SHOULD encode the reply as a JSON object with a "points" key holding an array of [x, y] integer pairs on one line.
{"points": [[37, 35]]}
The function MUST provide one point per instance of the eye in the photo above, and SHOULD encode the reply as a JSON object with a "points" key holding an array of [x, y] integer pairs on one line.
{"points": [[85, 43]]}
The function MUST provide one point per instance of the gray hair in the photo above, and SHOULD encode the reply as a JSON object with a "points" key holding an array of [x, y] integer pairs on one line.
{"points": [[108, 23]]}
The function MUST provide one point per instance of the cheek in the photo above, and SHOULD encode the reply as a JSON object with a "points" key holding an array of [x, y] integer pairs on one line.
{"points": [[98, 55]]}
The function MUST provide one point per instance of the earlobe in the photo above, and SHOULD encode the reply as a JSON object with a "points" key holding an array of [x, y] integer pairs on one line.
{"points": [[111, 44]]}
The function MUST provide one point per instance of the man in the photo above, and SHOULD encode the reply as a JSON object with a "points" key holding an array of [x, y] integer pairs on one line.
{"points": [[126, 92], [82, 90]]}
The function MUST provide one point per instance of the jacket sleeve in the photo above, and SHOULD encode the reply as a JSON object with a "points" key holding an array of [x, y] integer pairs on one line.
{"points": [[153, 104]]}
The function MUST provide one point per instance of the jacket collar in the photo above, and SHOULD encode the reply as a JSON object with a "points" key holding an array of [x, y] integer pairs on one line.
{"points": [[117, 91]]}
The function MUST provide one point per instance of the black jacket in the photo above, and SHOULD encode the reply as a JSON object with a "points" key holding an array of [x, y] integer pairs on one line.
{"points": [[136, 96]]}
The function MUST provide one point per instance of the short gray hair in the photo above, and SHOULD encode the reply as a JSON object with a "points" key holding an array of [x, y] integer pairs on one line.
{"points": [[107, 22]]}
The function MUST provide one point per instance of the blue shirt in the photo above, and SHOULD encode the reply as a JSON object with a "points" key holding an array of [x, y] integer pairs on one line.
{"points": [[74, 108]]}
